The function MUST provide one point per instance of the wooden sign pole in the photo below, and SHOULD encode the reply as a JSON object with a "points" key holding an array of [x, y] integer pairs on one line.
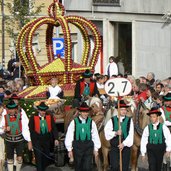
{"points": [[119, 126]]}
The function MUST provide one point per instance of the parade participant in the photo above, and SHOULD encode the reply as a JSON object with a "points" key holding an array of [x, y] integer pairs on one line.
{"points": [[166, 115], [155, 141], [16, 131], [16, 99], [112, 68], [166, 110], [43, 132], [82, 139], [112, 133], [54, 91], [2, 145], [85, 87]]}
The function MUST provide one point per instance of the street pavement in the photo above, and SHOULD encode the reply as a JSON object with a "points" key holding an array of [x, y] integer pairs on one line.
{"points": [[142, 166], [65, 168]]}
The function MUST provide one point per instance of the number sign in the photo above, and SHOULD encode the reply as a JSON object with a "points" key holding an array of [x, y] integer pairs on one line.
{"points": [[118, 87]]}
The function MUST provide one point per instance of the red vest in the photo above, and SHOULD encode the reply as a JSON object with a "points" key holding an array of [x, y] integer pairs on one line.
{"points": [[82, 85], [37, 123]]}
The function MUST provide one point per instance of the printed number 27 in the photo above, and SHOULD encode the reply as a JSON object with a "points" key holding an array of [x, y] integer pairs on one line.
{"points": [[112, 85]]}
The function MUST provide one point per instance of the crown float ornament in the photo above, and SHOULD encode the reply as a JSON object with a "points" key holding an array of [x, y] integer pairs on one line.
{"points": [[65, 69]]}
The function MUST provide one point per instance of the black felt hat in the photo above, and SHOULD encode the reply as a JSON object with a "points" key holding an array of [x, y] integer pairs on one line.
{"points": [[154, 110], [11, 105], [87, 74], [122, 104], [167, 97], [42, 106], [14, 97], [84, 107]]}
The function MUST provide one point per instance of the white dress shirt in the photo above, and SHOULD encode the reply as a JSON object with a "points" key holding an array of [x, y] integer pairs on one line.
{"points": [[145, 136], [70, 135], [1, 122], [110, 133]]}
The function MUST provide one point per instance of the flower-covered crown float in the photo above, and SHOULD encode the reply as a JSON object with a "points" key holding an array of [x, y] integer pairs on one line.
{"points": [[65, 69]]}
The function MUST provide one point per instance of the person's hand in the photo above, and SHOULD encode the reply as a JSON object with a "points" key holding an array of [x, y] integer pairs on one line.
{"points": [[96, 153], [119, 132], [7, 129], [71, 158], [167, 154], [70, 154], [56, 142], [143, 158], [30, 147], [121, 146]]}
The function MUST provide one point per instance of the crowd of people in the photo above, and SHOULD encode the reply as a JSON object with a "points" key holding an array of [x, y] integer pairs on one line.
{"points": [[82, 139]]}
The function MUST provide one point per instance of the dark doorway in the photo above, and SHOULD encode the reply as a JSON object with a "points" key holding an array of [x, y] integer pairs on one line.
{"points": [[125, 46]]}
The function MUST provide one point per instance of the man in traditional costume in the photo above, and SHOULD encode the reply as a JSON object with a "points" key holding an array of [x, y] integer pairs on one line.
{"points": [[43, 131], [16, 131], [85, 88]]}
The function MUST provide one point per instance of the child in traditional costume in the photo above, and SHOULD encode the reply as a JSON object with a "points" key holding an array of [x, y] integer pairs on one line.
{"points": [[112, 133], [82, 139], [155, 141]]}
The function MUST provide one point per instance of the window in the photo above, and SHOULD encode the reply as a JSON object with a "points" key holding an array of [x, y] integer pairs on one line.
{"points": [[106, 2]]}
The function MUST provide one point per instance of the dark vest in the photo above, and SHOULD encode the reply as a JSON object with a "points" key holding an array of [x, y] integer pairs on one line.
{"points": [[167, 114], [125, 127], [83, 130], [156, 136]]}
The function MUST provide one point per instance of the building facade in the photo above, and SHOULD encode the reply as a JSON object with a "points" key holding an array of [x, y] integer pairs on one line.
{"points": [[138, 32]]}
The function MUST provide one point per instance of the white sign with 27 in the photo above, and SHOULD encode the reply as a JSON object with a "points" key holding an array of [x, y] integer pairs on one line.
{"points": [[118, 87]]}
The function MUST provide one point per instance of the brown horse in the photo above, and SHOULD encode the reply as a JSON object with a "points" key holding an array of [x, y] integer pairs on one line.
{"points": [[141, 119]]}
